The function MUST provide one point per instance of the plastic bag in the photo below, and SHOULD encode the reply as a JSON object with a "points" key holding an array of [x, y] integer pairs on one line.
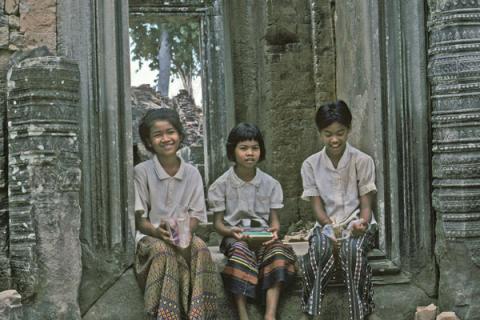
{"points": [[179, 228]]}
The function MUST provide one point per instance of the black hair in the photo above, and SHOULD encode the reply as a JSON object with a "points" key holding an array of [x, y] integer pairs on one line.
{"points": [[242, 132], [331, 112], [162, 114]]}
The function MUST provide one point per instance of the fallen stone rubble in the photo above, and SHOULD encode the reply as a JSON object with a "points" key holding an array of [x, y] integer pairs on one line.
{"points": [[431, 312], [144, 98], [10, 305]]}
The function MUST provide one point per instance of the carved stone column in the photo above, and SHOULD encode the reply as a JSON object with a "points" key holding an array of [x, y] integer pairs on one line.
{"points": [[43, 185], [4, 260], [454, 71]]}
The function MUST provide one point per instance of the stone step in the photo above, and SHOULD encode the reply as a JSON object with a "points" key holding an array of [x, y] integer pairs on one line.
{"points": [[398, 301]]}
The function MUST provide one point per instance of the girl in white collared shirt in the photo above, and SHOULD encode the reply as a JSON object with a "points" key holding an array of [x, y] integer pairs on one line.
{"points": [[339, 181], [245, 196], [178, 280]]}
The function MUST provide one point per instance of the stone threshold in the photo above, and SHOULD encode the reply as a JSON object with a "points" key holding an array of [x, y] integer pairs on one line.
{"points": [[124, 300]]}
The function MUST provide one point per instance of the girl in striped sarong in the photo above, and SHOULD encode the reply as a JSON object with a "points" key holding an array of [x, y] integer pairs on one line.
{"points": [[242, 197], [339, 181]]}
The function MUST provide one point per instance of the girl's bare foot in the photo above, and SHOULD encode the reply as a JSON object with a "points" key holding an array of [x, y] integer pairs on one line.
{"points": [[269, 317]]}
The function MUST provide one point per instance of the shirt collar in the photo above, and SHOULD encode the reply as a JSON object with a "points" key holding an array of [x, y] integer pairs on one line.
{"points": [[344, 160], [238, 183], [162, 174]]}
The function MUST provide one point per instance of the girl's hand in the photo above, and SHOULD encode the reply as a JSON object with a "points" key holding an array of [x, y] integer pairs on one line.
{"points": [[163, 233], [274, 232], [236, 232], [329, 232], [359, 227]]}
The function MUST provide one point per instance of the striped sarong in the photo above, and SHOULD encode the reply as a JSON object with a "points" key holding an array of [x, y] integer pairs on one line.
{"points": [[318, 267], [173, 288], [251, 272]]}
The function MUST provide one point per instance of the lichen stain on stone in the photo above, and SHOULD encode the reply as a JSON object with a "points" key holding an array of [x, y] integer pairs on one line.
{"points": [[27, 158], [381, 205], [34, 130], [11, 84]]}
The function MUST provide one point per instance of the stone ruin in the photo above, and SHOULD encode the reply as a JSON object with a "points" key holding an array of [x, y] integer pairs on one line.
{"points": [[271, 44], [144, 98], [43, 180]]}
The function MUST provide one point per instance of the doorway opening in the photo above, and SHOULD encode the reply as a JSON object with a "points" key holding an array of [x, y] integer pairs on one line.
{"points": [[166, 71], [181, 44]]}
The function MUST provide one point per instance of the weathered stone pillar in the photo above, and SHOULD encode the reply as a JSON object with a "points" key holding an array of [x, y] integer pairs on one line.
{"points": [[454, 71], [4, 260], [43, 185]]}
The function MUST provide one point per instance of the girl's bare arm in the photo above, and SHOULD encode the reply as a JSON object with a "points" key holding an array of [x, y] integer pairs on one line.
{"points": [[366, 206], [193, 224], [274, 220], [144, 225], [365, 214], [319, 210], [274, 226], [223, 230]]}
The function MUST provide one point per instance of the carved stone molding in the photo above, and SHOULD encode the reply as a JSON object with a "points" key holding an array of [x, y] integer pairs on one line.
{"points": [[44, 184], [454, 72]]}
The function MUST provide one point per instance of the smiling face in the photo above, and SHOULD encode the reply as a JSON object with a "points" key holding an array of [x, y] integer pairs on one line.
{"points": [[164, 139], [335, 137], [247, 153]]}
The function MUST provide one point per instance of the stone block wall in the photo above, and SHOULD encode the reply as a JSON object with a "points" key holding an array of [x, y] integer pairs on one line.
{"points": [[29, 24], [274, 87], [290, 100]]}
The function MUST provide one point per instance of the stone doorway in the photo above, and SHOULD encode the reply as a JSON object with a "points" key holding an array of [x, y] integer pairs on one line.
{"points": [[107, 244], [166, 71]]}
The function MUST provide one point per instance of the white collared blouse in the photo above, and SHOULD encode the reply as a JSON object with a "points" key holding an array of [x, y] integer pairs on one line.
{"points": [[341, 187], [160, 195], [240, 200]]}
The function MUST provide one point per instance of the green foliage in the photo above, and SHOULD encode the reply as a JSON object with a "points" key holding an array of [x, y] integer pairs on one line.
{"points": [[184, 35]]}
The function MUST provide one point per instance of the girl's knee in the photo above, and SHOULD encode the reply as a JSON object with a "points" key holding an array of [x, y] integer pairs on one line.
{"points": [[322, 254], [241, 247], [350, 250], [198, 243], [323, 245], [159, 246]]}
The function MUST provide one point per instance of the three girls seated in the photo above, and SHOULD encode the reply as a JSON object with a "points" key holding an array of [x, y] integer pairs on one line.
{"points": [[174, 267]]}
